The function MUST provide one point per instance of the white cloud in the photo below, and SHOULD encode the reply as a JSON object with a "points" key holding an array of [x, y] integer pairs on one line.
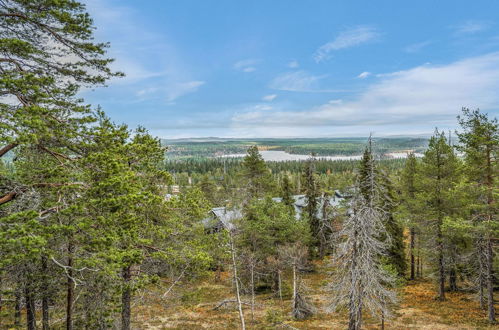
{"points": [[470, 27], [247, 65], [293, 64], [364, 75], [177, 90], [296, 81], [414, 48], [168, 74], [269, 98], [346, 39], [172, 90], [426, 95]]}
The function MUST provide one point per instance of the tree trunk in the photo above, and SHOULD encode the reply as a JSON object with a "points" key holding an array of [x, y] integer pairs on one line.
{"points": [[279, 283], [236, 283], [30, 309], [490, 282], [69, 289], [17, 309], [218, 273], [412, 251], [441, 271], [252, 293], [294, 286], [45, 298], [125, 299], [441, 266], [453, 280]]}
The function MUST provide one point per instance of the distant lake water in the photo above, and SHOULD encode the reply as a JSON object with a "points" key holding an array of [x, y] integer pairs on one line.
{"points": [[282, 156]]}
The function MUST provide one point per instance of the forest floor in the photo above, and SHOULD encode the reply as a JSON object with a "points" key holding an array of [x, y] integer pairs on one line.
{"points": [[194, 307]]}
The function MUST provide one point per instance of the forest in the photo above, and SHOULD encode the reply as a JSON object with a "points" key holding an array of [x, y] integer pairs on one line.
{"points": [[93, 234], [209, 147]]}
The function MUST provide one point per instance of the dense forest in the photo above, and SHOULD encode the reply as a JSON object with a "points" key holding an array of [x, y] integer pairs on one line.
{"points": [[92, 229], [209, 147]]}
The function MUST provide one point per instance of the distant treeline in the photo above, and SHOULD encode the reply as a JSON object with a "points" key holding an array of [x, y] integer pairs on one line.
{"points": [[321, 147], [202, 165]]}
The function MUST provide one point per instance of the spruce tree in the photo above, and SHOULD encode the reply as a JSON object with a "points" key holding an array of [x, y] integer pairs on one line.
{"points": [[395, 255], [286, 193], [359, 279], [312, 194]]}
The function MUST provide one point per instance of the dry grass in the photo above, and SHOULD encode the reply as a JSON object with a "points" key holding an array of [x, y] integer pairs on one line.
{"points": [[192, 308]]}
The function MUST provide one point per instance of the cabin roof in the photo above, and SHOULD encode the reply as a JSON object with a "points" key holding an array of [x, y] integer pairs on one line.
{"points": [[222, 217]]}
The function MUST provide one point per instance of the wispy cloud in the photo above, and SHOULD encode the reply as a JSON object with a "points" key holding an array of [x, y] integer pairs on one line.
{"points": [[364, 75], [471, 26], [247, 65], [293, 64], [297, 81], [167, 77], [172, 91], [346, 39], [414, 48], [427, 95], [269, 98]]}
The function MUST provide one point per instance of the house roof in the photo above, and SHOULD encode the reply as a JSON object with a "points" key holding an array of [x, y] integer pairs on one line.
{"points": [[225, 217]]}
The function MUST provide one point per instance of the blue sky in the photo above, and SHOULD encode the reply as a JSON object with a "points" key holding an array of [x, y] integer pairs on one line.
{"points": [[280, 68]]}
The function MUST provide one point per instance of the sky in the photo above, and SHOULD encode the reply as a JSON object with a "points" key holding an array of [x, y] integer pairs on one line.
{"points": [[281, 68]]}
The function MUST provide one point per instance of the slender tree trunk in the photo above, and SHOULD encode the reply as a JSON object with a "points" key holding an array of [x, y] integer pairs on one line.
{"points": [[236, 283], [490, 250], [17, 309], [294, 286], [453, 280], [441, 266], [70, 289], [490, 282], [421, 267], [441, 271], [30, 309], [125, 299], [218, 273], [252, 293], [45, 298], [413, 234], [279, 283]]}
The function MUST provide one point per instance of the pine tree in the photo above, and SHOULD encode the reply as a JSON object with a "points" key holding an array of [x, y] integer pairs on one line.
{"points": [[408, 207], [437, 182], [255, 174], [479, 141]]}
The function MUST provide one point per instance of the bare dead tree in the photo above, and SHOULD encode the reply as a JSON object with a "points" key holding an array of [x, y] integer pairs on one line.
{"points": [[359, 280], [296, 257], [236, 280]]}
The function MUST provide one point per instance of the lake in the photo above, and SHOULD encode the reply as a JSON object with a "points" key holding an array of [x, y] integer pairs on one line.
{"points": [[282, 156]]}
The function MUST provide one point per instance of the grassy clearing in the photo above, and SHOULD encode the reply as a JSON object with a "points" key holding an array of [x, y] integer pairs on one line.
{"points": [[193, 308]]}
